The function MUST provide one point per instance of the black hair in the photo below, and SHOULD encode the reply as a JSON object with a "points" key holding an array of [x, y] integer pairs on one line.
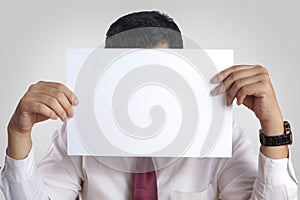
{"points": [[145, 29]]}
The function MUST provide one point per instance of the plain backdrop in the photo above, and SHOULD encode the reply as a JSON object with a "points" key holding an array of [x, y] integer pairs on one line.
{"points": [[34, 36]]}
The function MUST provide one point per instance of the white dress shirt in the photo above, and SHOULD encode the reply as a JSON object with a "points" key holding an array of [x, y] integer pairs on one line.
{"points": [[59, 176]]}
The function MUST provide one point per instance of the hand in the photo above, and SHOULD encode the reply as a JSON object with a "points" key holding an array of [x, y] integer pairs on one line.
{"points": [[42, 101], [251, 86]]}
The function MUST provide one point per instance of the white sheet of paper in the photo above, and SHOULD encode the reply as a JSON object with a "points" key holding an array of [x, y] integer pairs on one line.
{"points": [[123, 112]]}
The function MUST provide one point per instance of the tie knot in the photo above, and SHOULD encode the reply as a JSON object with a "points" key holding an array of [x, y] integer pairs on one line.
{"points": [[144, 164]]}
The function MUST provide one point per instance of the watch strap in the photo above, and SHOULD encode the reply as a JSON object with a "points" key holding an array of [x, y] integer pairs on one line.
{"points": [[278, 140]]}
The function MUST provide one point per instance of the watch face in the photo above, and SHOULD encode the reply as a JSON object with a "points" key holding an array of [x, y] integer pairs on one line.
{"points": [[287, 127]]}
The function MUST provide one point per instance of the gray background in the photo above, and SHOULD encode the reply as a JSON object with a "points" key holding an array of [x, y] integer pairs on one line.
{"points": [[34, 36]]}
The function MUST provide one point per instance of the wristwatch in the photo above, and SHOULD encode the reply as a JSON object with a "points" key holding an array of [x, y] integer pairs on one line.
{"points": [[278, 140]]}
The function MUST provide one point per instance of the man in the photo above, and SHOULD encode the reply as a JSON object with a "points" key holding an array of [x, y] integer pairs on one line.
{"points": [[60, 176]]}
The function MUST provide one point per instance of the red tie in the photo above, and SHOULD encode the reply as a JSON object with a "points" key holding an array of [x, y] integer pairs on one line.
{"points": [[145, 187]]}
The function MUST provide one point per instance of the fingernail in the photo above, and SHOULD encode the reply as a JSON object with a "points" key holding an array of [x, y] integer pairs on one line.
{"points": [[72, 114], [228, 103], [76, 101], [215, 79], [214, 92], [64, 119]]}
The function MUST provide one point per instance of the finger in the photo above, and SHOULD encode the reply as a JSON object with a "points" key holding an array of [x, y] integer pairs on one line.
{"points": [[225, 73], [237, 85], [68, 93], [62, 99], [52, 103], [236, 75], [39, 108], [248, 90]]}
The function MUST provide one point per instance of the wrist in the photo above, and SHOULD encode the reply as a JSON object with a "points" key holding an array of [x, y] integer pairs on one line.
{"points": [[13, 130], [19, 143], [276, 146], [276, 152], [272, 127]]}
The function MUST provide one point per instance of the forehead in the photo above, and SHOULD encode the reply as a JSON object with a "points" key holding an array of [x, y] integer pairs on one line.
{"points": [[163, 45]]}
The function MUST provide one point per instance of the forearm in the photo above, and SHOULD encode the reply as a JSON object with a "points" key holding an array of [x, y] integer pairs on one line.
{"points": [[21, 180], [19, 144], [276, 180], [55, 177]]}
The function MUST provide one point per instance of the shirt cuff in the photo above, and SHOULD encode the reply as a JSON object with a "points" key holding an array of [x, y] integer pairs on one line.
{"points": [[275, 172], [19, 170]]}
